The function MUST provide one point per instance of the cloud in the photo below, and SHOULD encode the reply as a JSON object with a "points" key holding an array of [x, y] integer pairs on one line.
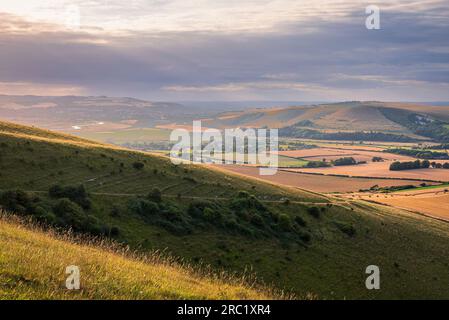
{"points": [[263, 85], [273, 50], [28, 88]]}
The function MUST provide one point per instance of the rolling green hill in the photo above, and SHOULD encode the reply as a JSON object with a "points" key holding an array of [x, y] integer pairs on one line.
{"points": [[372, 121], [291, 239]]}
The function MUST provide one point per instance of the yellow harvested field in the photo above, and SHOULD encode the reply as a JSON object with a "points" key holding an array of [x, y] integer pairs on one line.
{"points": [[317, 183], [431, 204], [346, 146], [331, 153]]}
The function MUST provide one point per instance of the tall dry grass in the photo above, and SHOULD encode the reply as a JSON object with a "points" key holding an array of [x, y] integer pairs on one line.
{"points": [[33, 260]]}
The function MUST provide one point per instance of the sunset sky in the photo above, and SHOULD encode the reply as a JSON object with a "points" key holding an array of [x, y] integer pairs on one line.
{"points": [[226, 49]]}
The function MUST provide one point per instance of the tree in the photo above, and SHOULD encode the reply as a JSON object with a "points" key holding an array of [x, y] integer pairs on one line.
{"points": [[425, 164]]}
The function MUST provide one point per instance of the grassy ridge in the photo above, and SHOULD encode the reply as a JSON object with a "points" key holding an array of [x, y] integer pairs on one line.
{"points": [[345, 236], [33, 262]]}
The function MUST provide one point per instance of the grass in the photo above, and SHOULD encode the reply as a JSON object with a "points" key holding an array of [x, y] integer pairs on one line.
{"points": [[33, 263], [331, 265]]}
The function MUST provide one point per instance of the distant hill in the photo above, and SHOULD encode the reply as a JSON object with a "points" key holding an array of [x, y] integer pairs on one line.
{"points": [[121, 119], [396, 121], [291, 239], [72, 113]]}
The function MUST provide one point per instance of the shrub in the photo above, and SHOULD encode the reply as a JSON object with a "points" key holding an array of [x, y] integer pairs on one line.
{"points": [[155, 195], [197, 207], [300, 221], [285, 223], [138, 165], [211, 215], [243, 195], [76, 194], [144, 208], [314, 212], [70, 213], [257, 220], [18, 201], [304, 236], [348, 229], [114, 232]]}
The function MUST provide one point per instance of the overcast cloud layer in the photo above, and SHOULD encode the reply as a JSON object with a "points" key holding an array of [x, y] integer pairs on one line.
{"points": [[226, 50]]}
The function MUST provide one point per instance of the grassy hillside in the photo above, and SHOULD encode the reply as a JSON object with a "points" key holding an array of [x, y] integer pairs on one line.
{"points": [[339, 121], [293, 239], [33, 263]]}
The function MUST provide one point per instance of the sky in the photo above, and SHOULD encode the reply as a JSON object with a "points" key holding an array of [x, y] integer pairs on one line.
{"points": [[227, 50]]}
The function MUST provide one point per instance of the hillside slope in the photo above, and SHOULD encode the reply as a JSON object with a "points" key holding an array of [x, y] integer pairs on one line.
{"points": [[33, 264], [393, 120], [307, 244]]}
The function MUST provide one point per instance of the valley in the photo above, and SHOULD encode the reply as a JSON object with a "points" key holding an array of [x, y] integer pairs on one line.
{"points": [[293, 230]]}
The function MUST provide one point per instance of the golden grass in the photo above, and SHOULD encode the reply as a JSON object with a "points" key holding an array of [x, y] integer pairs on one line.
{"points": [[33, 263]]}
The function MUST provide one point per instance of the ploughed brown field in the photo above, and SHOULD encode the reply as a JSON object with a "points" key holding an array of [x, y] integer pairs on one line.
{"points": [[380, 170], [317, 183]]}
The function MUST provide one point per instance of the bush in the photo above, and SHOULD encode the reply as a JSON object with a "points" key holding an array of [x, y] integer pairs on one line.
{"points": [[138, 165], [155, 195], [300, 221], [144, 208], [285, 223], [114, 232], [196, 208], [314, 212], [76, 194], [257, 220], [18, 201], [211, 215], [347, 229], [70, 213], [243, 195], [304, 236]]}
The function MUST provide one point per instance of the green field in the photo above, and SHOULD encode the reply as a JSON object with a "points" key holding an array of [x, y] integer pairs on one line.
{"points": [[134, 135], [437, 186], [308, 244], [291, 162]]}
